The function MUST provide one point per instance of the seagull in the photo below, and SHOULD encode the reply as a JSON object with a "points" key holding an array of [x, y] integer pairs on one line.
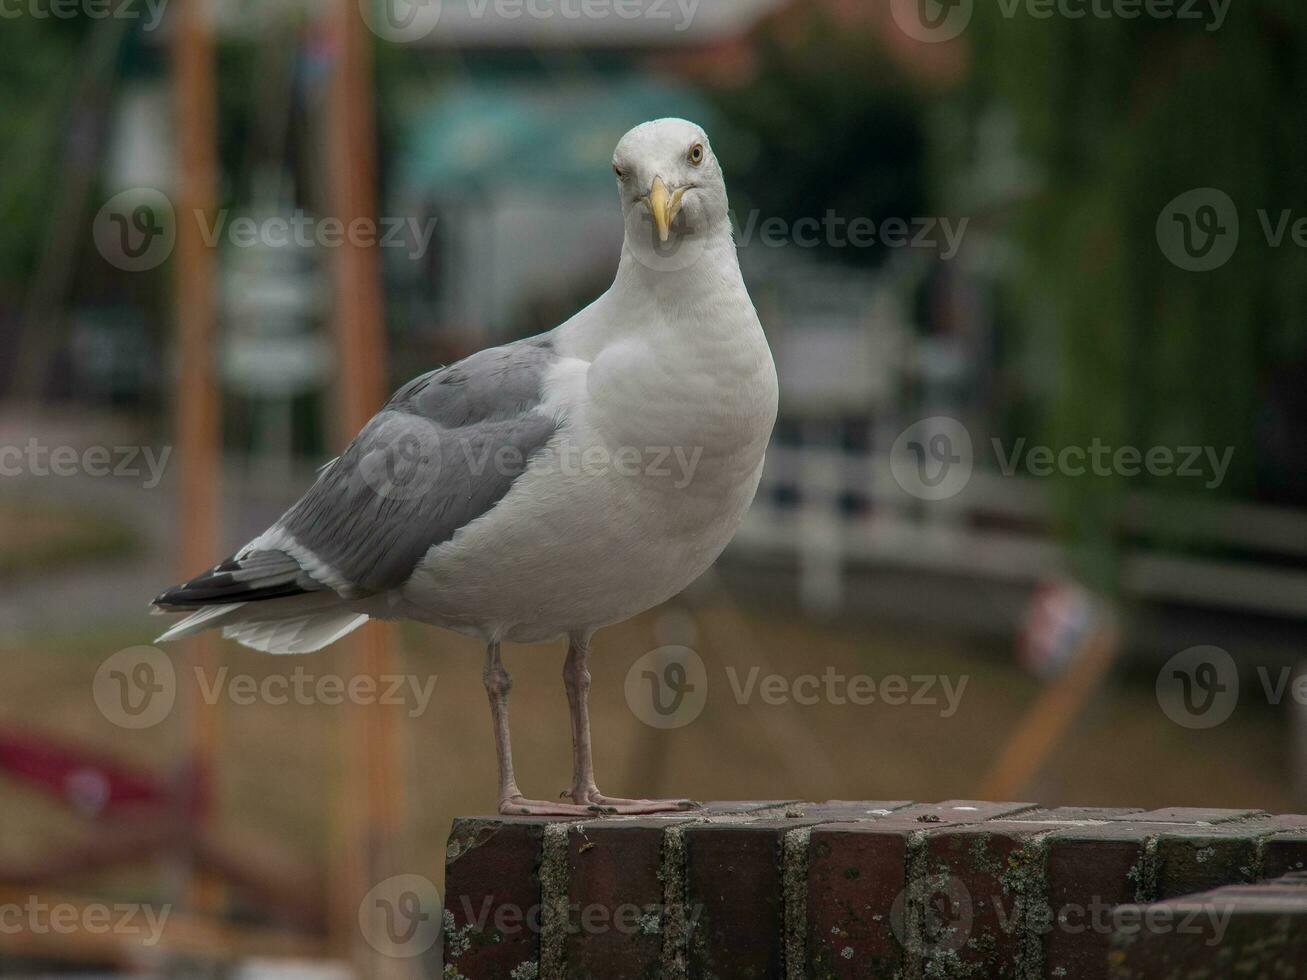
{"points": [[545, 488]]}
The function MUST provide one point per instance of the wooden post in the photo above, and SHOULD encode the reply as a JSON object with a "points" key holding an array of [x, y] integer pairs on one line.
{"points": [[372, 800], [198, 421], [1059, 705]]}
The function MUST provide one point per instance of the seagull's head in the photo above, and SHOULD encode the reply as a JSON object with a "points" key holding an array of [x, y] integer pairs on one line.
{"points": [[668, 176]]}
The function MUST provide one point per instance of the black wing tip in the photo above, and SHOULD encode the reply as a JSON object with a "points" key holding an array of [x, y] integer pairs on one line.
{"points": [[221, 584], [173, 599]]}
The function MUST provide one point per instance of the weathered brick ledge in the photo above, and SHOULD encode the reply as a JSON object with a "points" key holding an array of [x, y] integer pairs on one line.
{"points": [[878, 889]]}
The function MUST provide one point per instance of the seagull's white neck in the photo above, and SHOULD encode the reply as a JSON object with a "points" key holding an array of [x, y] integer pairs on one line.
{"points": [[691, 297], [676, 357], [698, 266]]}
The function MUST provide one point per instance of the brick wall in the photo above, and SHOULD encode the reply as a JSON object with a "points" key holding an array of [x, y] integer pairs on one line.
{"points": [[884, 888]]}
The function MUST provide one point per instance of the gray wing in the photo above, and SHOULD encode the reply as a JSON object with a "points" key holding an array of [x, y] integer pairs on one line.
{"points": [[442, 452]]}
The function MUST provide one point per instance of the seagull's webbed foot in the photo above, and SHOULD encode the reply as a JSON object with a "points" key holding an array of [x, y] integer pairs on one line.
{"points": [[520, 806], [620, 805]]}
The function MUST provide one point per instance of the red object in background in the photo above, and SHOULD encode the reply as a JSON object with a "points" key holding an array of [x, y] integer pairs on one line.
{"points": [[89, 782], [1059, 622], [140, 816]]}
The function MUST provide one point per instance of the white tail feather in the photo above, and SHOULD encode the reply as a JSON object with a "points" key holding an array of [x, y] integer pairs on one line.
{"points": [[295, 634], [300, 624], [197, 621]]}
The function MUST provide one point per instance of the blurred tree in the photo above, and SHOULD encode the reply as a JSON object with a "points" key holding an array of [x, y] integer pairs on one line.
{"points": [[34, 59], [824, 124], [1119, 117]]}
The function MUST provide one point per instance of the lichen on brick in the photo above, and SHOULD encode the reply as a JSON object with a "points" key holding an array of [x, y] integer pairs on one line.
{"points": [[794, 885], [1143, 874], [650, 922], [456, 940], [465, 835], [981, 857], [925, 956], [1025, 878], [553, 903], [671, 872]]}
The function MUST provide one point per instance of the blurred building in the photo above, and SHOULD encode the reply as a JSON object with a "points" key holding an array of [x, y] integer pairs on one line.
{"points": [[513, 174]]}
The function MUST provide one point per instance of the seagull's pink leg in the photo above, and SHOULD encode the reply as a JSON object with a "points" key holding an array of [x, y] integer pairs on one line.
{"points": [[498, 684], [576, 678]]}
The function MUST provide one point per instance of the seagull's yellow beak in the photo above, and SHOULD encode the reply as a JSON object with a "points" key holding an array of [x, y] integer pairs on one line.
{"points": [[663, 205]]}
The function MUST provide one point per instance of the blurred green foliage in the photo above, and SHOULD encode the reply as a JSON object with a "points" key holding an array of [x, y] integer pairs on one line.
{"points": [[825, 125], [1120, 116], [35, 56]]}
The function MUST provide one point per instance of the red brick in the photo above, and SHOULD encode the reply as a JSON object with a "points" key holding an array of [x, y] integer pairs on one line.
{"points": [[728, 807], [492, 891], [1076, 813], [1264, 934], [856, 871], [1191, 814], [733, 897], [992, 877], [851, 810], [1088, 868], [1198, 859], [615, 899], [1284, 853]]}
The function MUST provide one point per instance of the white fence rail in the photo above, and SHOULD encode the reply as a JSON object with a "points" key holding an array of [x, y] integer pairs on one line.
{"points": [[834, 511]]}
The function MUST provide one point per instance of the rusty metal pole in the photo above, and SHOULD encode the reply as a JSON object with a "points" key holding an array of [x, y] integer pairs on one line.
{"points": [[198, 422], [372, 798]]}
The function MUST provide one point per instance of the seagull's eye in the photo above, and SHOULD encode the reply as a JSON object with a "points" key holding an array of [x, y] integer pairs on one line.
{"points": [[696, 154], [621, 174]]}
